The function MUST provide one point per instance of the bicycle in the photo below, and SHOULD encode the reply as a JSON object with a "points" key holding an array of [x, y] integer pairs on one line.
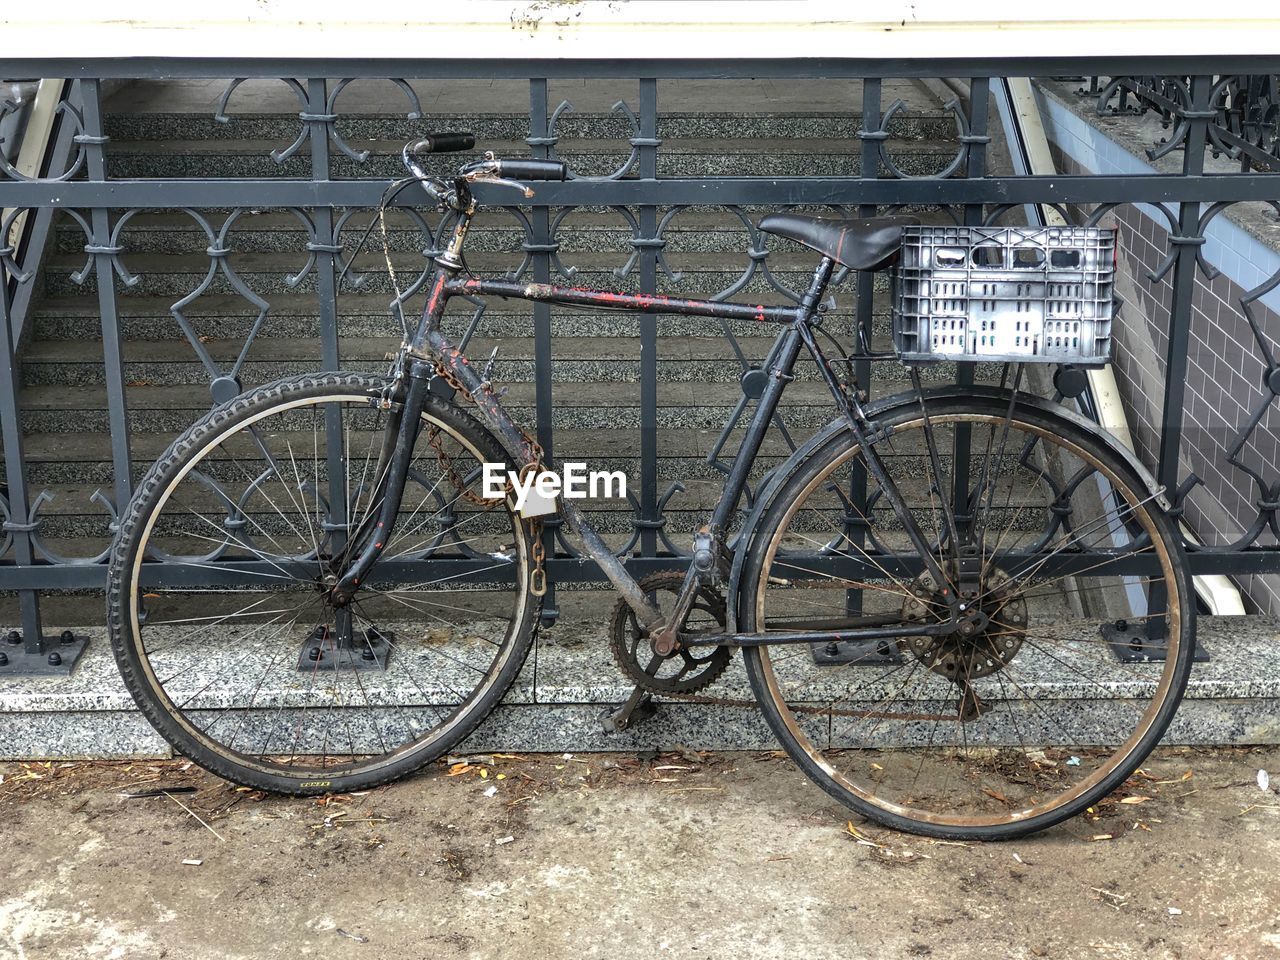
{"points": [[313, 626]]}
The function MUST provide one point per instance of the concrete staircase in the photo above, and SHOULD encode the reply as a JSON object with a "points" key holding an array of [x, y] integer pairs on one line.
{"points": [[167, 130]]}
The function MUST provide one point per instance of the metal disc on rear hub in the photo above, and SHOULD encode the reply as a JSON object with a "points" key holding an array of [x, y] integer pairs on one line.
{"points": [[968, 655]]}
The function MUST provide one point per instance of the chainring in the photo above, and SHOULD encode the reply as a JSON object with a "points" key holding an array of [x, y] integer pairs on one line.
{"points": [[687, 669]]}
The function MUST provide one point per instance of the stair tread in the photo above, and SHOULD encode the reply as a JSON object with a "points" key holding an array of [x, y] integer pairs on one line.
{"points": [[295, 304], [671, 146], [584, 218], [701, 218], [145, 446], [715, 348], [785, 256], [565, 393], [153, 99]]}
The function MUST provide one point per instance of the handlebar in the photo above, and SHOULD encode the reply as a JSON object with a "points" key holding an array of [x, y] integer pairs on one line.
{"points": [[490, 169], [444, 143], [522, 168]]}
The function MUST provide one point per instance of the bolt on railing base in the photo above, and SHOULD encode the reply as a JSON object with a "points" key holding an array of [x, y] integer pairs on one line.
{"points": [[840, 652], [323, 650], [58, 659], [1130, 643]]}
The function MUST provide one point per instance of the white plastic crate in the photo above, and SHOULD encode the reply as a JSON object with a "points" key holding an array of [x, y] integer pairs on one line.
{"points": [[1005, 293]]}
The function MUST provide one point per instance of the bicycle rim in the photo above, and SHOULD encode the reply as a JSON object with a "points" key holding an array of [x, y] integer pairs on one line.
{"points": [[1029, 718], [236, 655]]}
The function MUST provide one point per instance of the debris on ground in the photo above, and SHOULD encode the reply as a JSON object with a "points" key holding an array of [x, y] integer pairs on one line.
{"points": [[587, 822], [1109, 897]]}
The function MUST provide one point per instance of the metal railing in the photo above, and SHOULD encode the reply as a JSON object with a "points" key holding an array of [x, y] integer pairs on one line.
{"points": [[1244, 119], [330, 210]]}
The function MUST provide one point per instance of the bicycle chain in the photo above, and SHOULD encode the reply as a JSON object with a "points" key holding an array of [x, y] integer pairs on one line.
{"points": [[796, 708]]}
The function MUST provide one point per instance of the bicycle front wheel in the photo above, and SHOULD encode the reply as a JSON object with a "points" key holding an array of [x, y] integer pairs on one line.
{"points": [[1026, 716], [217, 597]]}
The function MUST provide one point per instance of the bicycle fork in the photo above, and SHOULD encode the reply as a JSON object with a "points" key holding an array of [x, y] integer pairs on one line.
{"points": [[391, 487]]}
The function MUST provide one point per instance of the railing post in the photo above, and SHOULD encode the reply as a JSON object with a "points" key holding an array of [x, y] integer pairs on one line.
{"points": [[104, 254], [1188, 243], [34, 653], [325, 245], [1184, 278], [975, 143], [648, 169], [18, 524], [540, 142], [855, 530]]}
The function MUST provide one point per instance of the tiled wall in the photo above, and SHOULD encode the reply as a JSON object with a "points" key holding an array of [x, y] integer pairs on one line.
{"points": [[1226, 366]]}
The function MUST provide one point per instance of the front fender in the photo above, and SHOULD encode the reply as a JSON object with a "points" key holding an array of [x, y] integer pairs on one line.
{"points": [[887, 405]]}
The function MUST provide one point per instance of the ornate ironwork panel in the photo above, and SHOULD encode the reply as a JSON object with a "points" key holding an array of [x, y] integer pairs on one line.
{"points": [[639, 204]]}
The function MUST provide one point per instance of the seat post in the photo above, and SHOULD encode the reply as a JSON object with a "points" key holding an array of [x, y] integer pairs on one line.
{"points": [[817, 287]]}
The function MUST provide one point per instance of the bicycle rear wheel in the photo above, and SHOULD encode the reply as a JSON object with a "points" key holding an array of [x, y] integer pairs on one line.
{"points": [[227, 640], [1028, 717]]}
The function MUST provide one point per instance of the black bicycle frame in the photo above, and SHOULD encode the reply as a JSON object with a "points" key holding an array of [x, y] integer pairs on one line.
{"points": [[429, 347]]}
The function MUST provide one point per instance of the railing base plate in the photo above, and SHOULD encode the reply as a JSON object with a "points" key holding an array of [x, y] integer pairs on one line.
{"points": [[840, 652], [368, 650], [59, 658], [1130, 644]]}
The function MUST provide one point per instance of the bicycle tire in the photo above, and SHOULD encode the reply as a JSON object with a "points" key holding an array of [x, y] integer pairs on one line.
{"points": [[194, 730], [846, 766]]}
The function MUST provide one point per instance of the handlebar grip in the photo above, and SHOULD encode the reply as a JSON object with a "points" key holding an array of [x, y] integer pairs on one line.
{"points": [[523, 169], [444, 143]]}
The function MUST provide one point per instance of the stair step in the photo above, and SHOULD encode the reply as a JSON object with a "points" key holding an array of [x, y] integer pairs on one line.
{"points": [[758, 158], [585, 230], [56, 410], [701, 274], [578, 359], [924, 121], [676, 444], [556, 702], [232, 318]]}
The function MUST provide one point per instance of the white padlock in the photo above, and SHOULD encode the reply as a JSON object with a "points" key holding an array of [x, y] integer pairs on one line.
{"points": [[537, 504]]}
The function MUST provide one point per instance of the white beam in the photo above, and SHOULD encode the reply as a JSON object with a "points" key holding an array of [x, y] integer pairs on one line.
{"points": [[632, 29]]}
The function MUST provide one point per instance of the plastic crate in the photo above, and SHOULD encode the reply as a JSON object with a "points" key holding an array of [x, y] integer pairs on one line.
{"points": [[1005, 293]]}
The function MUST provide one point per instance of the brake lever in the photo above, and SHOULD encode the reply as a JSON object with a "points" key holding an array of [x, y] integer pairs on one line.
{"points": [[481, 177]]}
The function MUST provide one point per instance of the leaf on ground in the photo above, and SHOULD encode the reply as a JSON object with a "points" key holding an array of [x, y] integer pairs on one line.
{"points": [[996, 795], [1137, 798], [458, 769], [1102, 836], [861, 837]]}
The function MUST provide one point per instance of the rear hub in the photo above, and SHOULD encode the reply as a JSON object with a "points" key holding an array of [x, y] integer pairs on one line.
{"points": [[987, 638]]}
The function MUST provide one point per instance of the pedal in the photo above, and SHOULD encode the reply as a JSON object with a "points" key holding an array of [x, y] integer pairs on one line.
{"points": [[639, 706]]}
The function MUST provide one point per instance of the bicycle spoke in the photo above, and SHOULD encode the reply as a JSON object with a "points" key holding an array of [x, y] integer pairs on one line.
{"points": [[1013, 713], [261, 669]]}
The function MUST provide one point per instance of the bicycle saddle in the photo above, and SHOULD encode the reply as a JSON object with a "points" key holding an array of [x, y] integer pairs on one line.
{"points": [[858, 244]]}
